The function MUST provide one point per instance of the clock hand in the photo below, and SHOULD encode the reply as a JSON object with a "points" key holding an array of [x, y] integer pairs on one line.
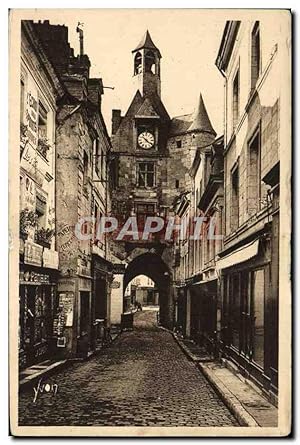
{"points": [[145, 140]]}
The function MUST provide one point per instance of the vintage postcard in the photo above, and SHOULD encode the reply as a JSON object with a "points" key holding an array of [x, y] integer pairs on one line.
{"points": [[150, 222]]}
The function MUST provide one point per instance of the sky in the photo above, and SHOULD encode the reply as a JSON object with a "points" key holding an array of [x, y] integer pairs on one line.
{"points": [[188, 40]]}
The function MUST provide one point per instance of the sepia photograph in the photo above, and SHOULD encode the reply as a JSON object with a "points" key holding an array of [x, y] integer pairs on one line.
{"points": [[150, 222]]}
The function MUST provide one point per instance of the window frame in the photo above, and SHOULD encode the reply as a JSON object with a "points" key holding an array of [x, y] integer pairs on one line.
{"points": [[138, 172], [256, 134], [42, 105], [254, 32], [236, 103], [235, 170]]}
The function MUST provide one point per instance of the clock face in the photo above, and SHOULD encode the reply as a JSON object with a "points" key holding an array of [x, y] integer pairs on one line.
{"points": [[146, 139]]}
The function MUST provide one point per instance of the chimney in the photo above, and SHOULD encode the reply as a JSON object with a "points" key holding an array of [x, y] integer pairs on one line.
{"points": [[80, 31], [116, 120]]}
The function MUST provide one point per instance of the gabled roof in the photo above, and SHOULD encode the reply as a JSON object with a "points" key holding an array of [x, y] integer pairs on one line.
{"points": [[136, 103], [146, 43], [159, 107], [146, 110], [201, 121]]}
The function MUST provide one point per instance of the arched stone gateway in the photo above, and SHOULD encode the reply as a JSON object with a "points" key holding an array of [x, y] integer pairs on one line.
{"points": [[152, 265]]}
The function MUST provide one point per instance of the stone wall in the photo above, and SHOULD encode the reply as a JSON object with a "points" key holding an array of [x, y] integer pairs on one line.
{"points": [[267, 120]]}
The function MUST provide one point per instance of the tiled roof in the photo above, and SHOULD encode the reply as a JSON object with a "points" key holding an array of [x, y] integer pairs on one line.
{"points": [[180, 124]]}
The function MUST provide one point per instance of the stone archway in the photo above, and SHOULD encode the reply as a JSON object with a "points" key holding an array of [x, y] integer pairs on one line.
{"points": [[153, 266]]}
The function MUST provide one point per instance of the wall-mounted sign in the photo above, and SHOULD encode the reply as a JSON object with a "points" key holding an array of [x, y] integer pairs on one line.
{"points": [[66, 304], [33, 254], [118, 268], [31, 117], [66, 284], [30, 163], [50, 258], [28, 193], [61, 342]]}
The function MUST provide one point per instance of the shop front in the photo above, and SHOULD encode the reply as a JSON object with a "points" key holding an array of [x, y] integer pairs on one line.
{"points": [[37, 303], [247, 324], [101, 298], [204, 313], [180, 307]]}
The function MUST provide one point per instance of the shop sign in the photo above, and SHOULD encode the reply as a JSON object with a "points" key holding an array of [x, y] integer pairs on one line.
{"points": [[50, 258], [34, 277], [66, 284], [29, 194], [118, 268], [115, 284], [33, 254]]}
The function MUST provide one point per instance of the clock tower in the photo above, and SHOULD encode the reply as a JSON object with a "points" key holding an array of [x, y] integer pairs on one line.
{"points": [[146, 71], [149, 169]]}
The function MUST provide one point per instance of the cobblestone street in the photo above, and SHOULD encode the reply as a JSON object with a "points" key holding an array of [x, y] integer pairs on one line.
{"points": [[143, 379]]}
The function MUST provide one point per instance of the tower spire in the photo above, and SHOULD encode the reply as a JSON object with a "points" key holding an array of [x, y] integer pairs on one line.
{"points": [[147, 66], [147, 43]]}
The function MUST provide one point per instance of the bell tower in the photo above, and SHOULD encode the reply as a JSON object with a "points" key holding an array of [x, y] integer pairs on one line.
{"points": [[146, 59]]}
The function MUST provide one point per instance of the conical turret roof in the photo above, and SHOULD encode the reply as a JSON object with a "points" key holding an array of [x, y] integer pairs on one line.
{"points": [[146, 43], [201, 121]]}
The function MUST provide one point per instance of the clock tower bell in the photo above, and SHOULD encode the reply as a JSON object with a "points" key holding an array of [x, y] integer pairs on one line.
{"points": [[146, 57]]}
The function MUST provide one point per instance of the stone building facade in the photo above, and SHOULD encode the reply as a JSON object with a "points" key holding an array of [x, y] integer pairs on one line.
{"points": [[40, 89], [82, 191], [209, 201], [254, 138], [189, 253]]}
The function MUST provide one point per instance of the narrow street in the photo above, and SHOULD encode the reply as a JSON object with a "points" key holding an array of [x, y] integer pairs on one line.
{"points": [[143, 379]]}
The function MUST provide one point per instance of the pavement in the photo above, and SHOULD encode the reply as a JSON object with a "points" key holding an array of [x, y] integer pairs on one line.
{"points": [[243, 398], [142, 379], [31, 375]]}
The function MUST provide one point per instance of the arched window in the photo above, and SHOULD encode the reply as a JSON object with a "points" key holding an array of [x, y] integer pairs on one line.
{"points": [[150, 62], [137, 63]]}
